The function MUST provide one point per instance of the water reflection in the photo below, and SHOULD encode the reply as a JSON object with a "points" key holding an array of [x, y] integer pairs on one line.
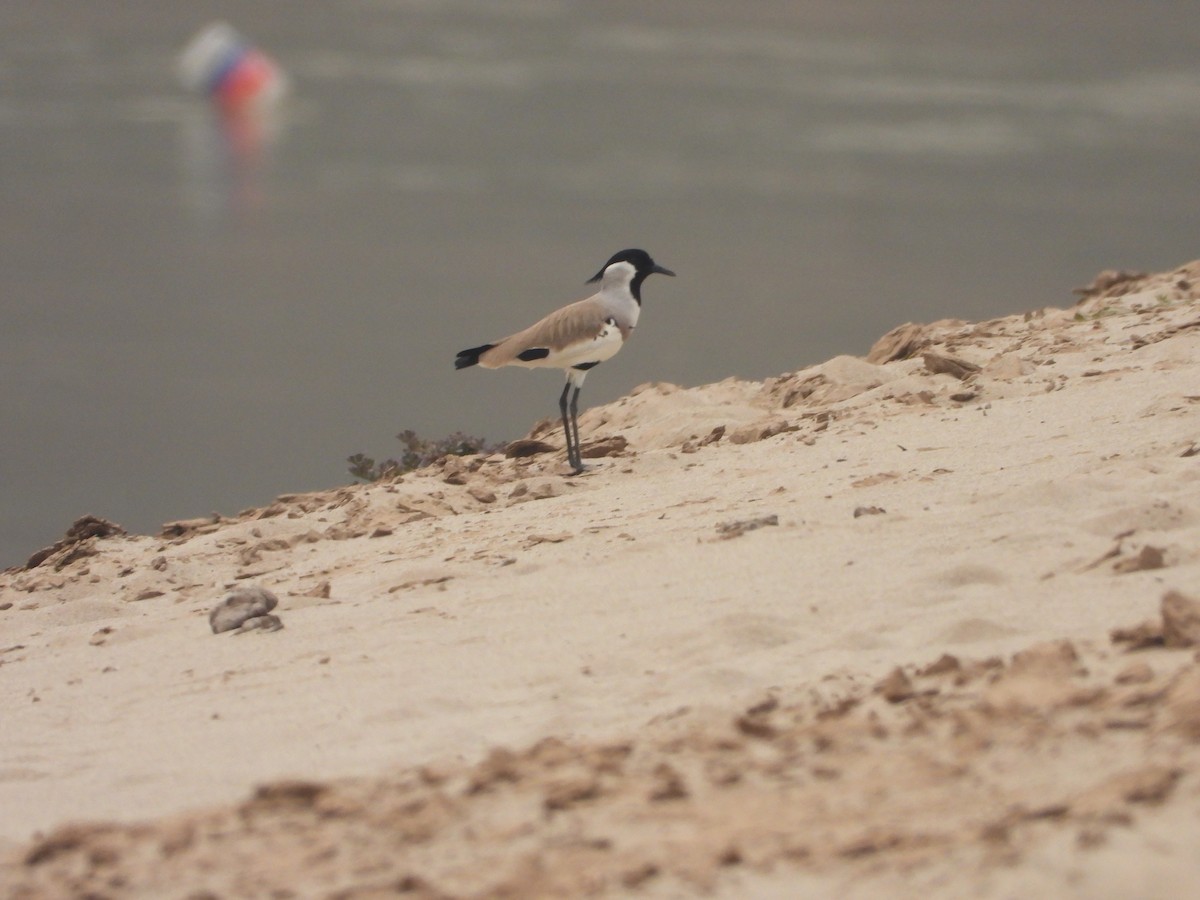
{"points": [[226, 157]]}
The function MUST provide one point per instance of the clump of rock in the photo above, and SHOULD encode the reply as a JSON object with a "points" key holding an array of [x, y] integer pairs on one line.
{"points": [[245, 609]]}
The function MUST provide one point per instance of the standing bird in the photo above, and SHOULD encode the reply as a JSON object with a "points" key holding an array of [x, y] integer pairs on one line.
{"points": [[577, 337]]}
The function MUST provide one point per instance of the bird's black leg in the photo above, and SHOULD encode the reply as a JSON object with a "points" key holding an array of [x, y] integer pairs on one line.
{"points": [[575, 422], [566, 420], [570, 413]]}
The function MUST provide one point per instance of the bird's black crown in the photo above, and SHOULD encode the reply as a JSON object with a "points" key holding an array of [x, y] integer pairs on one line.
{"points": [[639, 259]]}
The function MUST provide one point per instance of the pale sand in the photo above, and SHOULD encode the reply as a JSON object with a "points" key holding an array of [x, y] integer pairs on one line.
{"points": [[684, 712]]}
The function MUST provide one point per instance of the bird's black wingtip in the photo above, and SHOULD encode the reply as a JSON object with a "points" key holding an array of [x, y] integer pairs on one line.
{"points": [[464, 359]]}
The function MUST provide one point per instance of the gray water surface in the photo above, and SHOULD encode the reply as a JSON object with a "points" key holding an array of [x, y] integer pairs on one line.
{"points": [[197, 317]]}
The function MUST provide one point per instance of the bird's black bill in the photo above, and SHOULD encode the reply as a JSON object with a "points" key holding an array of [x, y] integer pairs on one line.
{"points": [[662, 271]]}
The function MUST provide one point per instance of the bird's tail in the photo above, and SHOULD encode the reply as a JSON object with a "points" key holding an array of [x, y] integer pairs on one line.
{"points": [[466, 358]]}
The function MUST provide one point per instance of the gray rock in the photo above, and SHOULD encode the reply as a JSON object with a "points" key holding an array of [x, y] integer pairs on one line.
{"points": [[260, 623], [240, 604]]}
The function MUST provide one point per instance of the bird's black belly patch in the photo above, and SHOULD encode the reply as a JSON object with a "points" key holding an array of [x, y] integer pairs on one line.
{"points": [[533, 353], [583, 367]]}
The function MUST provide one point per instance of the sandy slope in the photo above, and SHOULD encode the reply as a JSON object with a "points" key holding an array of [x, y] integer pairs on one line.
{"points": [[676, 673]]}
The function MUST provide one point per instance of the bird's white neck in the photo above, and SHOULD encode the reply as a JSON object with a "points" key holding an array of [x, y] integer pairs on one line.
{"points": [[616, 295], [617, 277]]}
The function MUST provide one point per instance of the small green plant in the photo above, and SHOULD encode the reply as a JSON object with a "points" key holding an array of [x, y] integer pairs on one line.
{"points": [[418, 452], [1103, 312]]}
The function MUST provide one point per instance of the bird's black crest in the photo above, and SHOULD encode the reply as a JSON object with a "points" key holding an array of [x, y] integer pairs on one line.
{"points": [[642, 264], [639, 259]]}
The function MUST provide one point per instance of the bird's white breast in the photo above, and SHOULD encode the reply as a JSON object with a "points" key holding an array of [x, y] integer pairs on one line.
{"points": [[619, 304]]}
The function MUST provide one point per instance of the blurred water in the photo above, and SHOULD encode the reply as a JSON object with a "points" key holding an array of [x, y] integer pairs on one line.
{"points": [[196, 317]]}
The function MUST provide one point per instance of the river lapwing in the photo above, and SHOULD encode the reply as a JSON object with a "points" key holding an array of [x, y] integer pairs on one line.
{"points": [[577, 337]]}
